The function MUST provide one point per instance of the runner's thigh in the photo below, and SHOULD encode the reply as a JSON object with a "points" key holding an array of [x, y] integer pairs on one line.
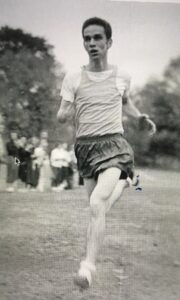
{"points": [[106, 183], [90, 184]]}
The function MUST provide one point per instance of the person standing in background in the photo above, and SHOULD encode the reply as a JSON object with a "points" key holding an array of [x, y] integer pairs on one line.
{"points": [[24, 155], [44, 135], [60, 159], [3, 157], [13, 161], [42, 159], [33, 168], [72, 167]]}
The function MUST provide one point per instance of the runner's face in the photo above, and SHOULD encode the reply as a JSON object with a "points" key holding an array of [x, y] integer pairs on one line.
{"points": [[96, 42]]}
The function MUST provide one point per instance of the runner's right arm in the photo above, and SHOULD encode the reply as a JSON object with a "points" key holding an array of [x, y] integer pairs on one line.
{"points": [[66, 111], [68, 89]]}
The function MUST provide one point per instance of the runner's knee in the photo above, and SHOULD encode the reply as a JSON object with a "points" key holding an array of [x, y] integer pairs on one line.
{"points": [[97, 206], [101, 193]]}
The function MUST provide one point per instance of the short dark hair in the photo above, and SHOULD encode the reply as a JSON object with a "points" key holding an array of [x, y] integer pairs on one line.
{"points": [[98, 21]]}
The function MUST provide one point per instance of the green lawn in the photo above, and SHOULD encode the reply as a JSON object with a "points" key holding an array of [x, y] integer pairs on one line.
{"points": [[42, 238]]}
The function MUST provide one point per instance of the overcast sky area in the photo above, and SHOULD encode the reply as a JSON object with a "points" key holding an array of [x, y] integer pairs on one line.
{"points": [[145, 35]]}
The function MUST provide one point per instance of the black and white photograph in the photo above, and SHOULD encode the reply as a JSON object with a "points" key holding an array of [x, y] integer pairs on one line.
{"points": [[89, 150]]}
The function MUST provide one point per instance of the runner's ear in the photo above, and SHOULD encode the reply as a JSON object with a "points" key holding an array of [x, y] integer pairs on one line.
{"points": [[109, 43]]}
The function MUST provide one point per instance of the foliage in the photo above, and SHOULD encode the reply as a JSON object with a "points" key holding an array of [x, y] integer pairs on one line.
{"points": [[161, 100], [16, 40], [29, 82]]}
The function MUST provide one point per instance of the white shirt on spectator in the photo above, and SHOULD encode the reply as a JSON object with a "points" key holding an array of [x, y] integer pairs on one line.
{"points": [[60, 158]]}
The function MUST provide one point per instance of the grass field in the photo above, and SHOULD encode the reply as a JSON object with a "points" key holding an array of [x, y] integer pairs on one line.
{"points": [[42, 238]]}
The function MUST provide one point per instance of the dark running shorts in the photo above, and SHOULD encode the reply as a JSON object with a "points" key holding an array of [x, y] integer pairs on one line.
{"points": [[98, 153]]}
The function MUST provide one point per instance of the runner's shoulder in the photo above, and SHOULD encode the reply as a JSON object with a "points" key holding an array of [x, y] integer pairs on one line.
{"points": [[72, 80], [73, 75], [123, 75]]}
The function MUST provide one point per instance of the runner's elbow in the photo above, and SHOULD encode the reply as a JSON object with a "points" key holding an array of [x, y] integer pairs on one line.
{"points": [[61, 116]]}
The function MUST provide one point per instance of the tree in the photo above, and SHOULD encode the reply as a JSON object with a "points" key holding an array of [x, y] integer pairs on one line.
{"points": [[161, 100], [172, 76], [29, 82], [16, 40]]}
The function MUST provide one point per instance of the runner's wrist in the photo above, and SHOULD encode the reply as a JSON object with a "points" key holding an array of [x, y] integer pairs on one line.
{"points": [[143, 117]]}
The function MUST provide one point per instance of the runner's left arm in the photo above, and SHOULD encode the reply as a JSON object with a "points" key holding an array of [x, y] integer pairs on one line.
{"points": [[145, 123]]}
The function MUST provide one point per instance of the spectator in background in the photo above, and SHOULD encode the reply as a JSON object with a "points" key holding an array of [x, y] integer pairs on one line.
{"points": [[81, 180], [13, 161], [3, 157], [33, 168], [25, 152], [72, 167], [42, 159], [60, 160], [35, 141], [44, 135], [29, 149]]}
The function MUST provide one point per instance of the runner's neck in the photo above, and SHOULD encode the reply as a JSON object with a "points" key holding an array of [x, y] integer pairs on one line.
{"points": [[98, 67]]}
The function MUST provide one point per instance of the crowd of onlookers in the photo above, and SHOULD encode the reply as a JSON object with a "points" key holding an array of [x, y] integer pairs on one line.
{"points": [[32, 164]]}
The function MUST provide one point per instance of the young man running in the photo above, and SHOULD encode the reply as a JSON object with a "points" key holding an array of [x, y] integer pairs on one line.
{"points": [[97, 94]]}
